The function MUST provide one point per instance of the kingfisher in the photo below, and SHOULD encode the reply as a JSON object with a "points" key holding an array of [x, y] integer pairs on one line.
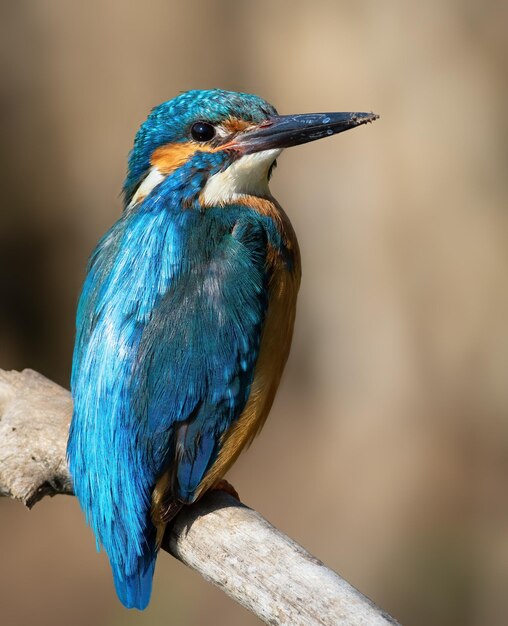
{"points": [[185, 319]]}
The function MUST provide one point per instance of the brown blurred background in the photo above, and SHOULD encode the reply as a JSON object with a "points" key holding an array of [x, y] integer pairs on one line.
{"points": [[386, 453]]}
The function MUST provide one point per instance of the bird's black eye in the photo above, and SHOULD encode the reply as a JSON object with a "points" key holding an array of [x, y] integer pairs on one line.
{"points": [[202, 131]]}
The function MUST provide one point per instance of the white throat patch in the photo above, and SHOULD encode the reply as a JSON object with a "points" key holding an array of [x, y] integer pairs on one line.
{"points": [[151, 180], [246, 176]]}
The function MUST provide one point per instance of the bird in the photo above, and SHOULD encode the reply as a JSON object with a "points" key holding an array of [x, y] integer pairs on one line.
{"points": [[185, 319]]}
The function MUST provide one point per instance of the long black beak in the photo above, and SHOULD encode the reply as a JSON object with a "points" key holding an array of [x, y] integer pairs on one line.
{"points": [[284, 131]]}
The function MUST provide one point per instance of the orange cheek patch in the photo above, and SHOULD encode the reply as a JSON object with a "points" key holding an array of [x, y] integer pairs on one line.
{"points": [[170, 157]]}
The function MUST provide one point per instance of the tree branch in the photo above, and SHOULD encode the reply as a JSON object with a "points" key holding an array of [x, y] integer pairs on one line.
{"points": [[229, 544]]}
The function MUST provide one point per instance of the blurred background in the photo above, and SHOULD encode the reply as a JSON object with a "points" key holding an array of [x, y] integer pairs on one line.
{"points": [[386, 453]]}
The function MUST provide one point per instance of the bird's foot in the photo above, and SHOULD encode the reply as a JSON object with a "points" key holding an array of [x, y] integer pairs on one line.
{"points": [[223, 485]]}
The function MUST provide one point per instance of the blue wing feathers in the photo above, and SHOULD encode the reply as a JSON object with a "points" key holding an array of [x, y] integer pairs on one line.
{"points": [[169, 326], [200, 346]]}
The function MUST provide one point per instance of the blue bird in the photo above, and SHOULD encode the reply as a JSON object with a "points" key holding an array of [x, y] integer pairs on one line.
{"points": [[185, 319]]}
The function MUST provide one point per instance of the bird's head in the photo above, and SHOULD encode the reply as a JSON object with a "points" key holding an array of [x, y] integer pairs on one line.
{"points": [[232, 138]]}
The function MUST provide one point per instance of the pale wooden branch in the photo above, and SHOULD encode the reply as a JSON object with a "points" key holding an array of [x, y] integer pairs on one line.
{"points": [[229, 544]]}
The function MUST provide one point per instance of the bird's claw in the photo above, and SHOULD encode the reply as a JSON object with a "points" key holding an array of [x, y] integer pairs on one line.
{"points": [[224, 485]]}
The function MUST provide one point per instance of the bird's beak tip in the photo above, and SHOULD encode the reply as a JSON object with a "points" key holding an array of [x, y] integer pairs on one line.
{"points": [[364, 118]]}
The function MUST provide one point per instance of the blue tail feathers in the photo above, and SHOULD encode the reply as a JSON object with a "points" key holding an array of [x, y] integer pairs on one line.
{"points": [[134, 590]]}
